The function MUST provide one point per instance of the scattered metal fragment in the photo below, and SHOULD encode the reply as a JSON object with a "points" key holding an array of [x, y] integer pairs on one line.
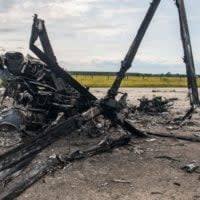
{"points": [[191, 167], [121, 181], [177, 184], [196, 135], [151, 140], [156, 192]]}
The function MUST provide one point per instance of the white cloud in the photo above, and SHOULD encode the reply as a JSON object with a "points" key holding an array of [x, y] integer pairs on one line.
{"points": [[52, 9]]}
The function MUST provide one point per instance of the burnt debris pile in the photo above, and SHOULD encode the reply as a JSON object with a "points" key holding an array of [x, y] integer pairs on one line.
{"points": [[38, 97], [42, 93], [155, 105]]}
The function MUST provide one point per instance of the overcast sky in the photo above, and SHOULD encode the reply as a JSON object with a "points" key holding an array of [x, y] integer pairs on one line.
{"points": [[94, 35]]}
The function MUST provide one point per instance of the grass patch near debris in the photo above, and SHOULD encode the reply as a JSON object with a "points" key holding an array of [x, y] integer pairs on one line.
{"points": [[132, 81]]}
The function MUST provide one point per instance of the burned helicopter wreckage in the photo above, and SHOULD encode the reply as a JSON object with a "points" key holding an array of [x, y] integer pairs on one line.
{"points": [[52, 104], [39, 98], [40, 94]]}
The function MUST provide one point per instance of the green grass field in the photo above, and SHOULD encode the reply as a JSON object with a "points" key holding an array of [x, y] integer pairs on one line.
{"points": [[132, 81]]}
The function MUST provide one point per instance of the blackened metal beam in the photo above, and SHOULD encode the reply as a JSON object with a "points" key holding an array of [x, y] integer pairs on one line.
{"points": [[126, 63], [188, 55], [48, 57], [51, 135]]}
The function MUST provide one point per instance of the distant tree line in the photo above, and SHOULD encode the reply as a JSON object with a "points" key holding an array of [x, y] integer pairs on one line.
{"points": [[89, 73]]}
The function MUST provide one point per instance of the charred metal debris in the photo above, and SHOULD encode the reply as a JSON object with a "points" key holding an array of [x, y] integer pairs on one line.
{"points": [[47, 102], [155, 105]]}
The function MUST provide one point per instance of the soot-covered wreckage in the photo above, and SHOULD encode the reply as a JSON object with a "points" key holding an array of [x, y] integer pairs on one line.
{"points": [[42, 92], [48, 103]]}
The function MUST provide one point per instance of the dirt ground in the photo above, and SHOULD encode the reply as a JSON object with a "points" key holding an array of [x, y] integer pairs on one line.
{"points": [[147, 169]]}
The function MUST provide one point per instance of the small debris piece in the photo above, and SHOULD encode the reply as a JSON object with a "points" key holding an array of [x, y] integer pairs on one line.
{"points": [[156, 193], [137, 150], [151, 140], [177, 184], [191, 167], [121, 181], [104, 184], [197, 135], [53, 156]]}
